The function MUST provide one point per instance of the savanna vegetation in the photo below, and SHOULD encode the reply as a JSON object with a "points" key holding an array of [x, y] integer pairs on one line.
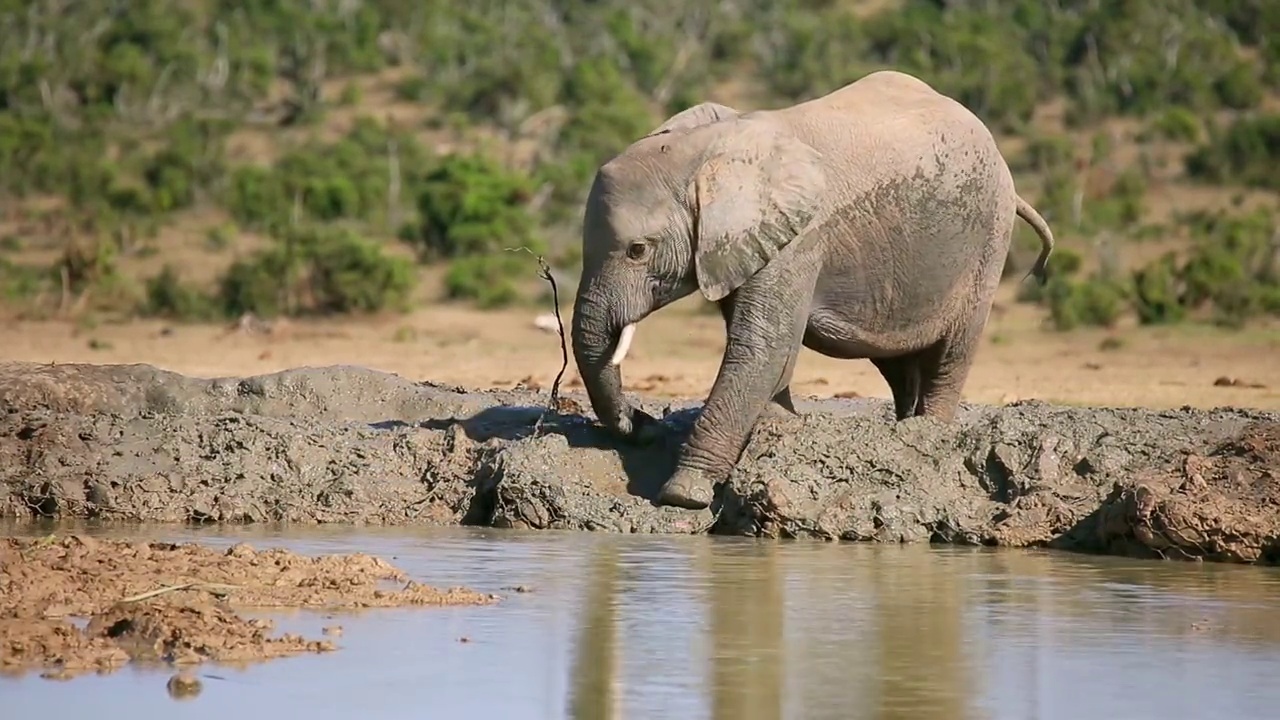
{"points": [[198, 159]]}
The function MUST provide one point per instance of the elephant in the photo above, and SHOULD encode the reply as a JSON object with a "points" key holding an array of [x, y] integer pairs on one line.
{"points": [[869, 223]]}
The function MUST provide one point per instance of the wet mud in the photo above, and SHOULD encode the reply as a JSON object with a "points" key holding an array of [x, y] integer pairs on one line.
{"points": [[176, 604], [352, 445]]}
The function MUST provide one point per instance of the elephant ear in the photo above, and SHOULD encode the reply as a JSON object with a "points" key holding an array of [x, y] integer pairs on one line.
{"points": [[758, 189], [700, 114]]}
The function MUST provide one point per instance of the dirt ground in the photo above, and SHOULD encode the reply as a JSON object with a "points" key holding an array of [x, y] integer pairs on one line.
{"points": [[353, 445], [677, 353], [176, 603]]}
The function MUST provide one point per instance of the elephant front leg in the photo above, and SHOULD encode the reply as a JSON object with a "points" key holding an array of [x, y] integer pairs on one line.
{"points": [[763, 341], [782, 405]]}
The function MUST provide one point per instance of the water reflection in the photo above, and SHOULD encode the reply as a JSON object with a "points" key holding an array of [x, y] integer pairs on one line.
{"points": [[640, 627], [746, 623], [594, 685], [919, 618]]}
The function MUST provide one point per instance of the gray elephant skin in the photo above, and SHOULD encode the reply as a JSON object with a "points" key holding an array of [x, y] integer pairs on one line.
{"points": [[872, 222]]}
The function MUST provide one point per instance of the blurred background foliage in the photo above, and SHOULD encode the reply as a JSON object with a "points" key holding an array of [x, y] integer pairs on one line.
{"points": [[198, 159]]}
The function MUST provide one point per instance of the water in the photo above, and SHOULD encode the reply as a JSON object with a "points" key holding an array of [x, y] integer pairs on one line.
{"points": [[679, 627]]}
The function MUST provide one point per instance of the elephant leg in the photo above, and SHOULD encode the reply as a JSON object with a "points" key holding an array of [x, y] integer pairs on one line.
{"points": [[782, 405], [903, 376], [763, 340], [944, 368]]}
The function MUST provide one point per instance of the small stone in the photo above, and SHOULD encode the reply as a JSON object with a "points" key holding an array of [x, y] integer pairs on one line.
{"points": [[184, 686], [547, 322]]}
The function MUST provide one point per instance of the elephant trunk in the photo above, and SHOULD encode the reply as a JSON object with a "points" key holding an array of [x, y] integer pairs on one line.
{"points": [[596, 339]]}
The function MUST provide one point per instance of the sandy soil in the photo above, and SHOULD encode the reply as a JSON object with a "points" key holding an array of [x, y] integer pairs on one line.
{"points": [[677, 353], [162, 602]]}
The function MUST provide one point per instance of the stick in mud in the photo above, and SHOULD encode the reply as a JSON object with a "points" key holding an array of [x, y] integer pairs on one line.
{"points": [[216, 589], [544, 272]]}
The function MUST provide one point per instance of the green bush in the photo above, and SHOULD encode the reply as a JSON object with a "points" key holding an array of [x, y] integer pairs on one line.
{"points": [[311, 271], [487, 280], [344, 180], [1246, 153], [1177, 124], [1231, 275], [471, 205], [1157, 298], [21, 283], [91, 270], [169, 297], [127, 120], [351, 274], [1093, 302]]}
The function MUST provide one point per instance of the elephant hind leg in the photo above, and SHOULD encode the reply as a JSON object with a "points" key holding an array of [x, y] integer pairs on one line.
{"points": [[944, 369], [903, 375]]}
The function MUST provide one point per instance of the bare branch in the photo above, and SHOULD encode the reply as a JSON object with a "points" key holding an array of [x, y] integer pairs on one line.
{"points": [[544, 271]]}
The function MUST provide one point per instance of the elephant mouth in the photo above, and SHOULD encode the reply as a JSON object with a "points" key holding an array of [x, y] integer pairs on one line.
{"points": [[624, 344]]}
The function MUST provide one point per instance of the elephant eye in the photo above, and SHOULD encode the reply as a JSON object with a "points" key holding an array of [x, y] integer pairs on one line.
{"points": [[637, 250]]}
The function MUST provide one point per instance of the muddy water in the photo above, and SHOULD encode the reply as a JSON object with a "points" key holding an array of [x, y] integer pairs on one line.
{"points": [[671, 627]]}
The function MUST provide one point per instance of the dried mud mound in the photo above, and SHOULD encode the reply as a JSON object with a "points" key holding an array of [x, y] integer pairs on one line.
{"points": [[347, 444], [170, 603]]}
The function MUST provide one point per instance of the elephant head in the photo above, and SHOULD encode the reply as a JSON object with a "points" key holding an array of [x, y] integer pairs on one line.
{"points": [[702, 203]]}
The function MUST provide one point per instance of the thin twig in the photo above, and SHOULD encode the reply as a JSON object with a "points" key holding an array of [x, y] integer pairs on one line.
{"points": [[544, 271], [154, 593], [211, 588]]}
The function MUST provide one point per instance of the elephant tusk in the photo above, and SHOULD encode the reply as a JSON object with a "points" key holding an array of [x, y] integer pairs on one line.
{"points": [[624, 344]]}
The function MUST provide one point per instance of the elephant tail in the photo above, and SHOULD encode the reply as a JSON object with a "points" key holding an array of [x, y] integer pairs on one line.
{"points": [[1037, 223]]}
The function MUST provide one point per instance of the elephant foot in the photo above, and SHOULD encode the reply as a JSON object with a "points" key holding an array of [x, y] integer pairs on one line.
{"points": [[689, 489]]}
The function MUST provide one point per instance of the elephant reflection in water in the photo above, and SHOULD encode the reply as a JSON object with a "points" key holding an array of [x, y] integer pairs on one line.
{"points": [[596, 687], [748, 651], [918, 664], [910, 662], [923, 668], [745, 619]]}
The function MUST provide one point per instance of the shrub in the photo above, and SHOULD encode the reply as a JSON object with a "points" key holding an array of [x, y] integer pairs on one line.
{"points": [[1246, 153], [1092, 302], [470, 205], [488, 280], [23, 282], [169, 297], [1156, 297], [1177, 124], [127, 121], [317, 272]]}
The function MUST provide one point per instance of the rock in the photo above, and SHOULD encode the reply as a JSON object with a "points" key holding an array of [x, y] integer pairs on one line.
{"points": [[352, 445], [547, 322]]}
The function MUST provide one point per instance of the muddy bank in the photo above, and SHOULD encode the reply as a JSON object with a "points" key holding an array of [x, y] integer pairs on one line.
{"points": [[345, 444], [175, 603]]}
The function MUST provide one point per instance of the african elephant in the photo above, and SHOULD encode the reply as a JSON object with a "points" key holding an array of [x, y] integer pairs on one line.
{"points": [[870, 223]]}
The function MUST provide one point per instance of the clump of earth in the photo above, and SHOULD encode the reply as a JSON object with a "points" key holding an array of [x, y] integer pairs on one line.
{"points": [[76, 604], [353, 445]]}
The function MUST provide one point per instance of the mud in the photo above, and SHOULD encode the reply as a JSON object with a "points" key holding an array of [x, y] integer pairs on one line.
{"points": [[352, 445], [170, 603]]}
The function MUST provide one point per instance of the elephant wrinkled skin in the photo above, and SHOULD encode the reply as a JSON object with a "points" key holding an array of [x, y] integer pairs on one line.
{"points": [[872, 222]]}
